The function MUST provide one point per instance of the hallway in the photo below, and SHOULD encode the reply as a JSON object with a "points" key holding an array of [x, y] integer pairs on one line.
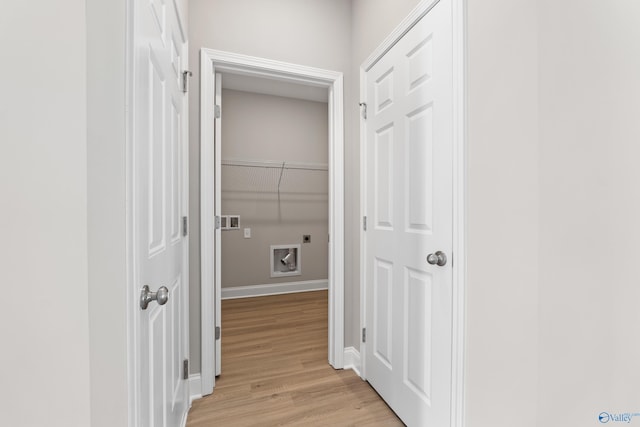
{"points": [[275, 370]]}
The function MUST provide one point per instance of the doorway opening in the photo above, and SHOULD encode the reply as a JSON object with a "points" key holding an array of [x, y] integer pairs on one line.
{"points": [[249, 74]]}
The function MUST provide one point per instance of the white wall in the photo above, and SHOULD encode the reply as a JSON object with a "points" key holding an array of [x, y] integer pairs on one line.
{"points": [[373, 21], [503, 201], [44, 320], [309, 32], [553, 148], [107, 209], [590, 205]]}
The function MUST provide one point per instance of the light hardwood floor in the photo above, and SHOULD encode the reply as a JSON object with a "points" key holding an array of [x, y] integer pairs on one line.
{"points": [[275, 370]]}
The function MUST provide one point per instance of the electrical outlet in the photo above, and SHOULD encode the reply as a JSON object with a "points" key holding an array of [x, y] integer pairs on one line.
{"points": [[306, 238], [247, 233]]}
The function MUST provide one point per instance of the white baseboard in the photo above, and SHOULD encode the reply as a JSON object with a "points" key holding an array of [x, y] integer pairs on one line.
{"points": [[274, 289], [195, 388], [352, 360]]}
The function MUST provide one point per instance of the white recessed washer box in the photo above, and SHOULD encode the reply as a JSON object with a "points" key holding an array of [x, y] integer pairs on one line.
{"points": [[286, 260]]}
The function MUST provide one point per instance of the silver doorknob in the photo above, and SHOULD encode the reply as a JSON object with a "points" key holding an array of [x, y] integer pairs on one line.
{"points": [[146, 296], [438, 258]]}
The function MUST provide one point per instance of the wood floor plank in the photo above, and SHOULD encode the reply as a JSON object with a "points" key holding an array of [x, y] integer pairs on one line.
{"points": [[275, 370]]}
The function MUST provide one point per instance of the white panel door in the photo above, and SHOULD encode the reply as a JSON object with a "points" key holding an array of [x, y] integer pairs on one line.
{"points": [[159, 203], [409, 200]]}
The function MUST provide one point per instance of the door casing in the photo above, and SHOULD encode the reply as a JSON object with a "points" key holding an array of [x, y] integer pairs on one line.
{"points": [[212, 61], [458, 257]]}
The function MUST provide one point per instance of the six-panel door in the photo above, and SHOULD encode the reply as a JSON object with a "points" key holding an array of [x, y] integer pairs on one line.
{"points": [[158, 200], [409, 209]]}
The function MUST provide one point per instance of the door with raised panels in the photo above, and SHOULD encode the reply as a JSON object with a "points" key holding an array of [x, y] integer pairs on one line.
{"points": [[409, 196], [159, 204]]}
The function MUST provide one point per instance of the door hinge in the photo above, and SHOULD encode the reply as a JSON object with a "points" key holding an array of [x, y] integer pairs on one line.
{"points": [[185, 80], [217, 222], [364, 110], [185, 369], [185, 226], [364, 223], [217, 332], [364, 334], [218, 111]]}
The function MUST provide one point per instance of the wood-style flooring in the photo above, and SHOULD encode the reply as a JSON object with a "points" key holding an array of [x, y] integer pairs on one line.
{"points": [[275, 370]]}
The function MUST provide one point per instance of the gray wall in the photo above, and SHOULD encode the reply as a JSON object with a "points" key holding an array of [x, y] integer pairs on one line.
{"points": [[44, 321], [310, 32], [264, 127]]}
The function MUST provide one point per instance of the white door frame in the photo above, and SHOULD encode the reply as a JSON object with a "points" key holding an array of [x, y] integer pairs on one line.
{"points": [[459, 190], [212, 61]]}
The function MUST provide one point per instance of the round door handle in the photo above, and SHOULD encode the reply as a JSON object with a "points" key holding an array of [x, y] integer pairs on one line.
{"points": [[439, 258], [146, 296]]}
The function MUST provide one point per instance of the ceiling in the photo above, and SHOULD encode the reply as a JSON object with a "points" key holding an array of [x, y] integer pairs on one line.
{"points": [[268, 86]]}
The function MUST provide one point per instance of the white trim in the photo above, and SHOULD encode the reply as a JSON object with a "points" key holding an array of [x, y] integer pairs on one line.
{"points": [[195, 388], [268, 289], [352, 360], [185, 213], [459, 189], [207, 228], [459, 281], [217, 204], [363, 212], [212, 61], [185, 416], [236, 63], [133, 320], [336, 223]]}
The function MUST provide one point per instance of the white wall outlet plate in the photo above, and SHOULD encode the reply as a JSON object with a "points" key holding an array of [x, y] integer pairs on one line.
{"points": [[247, 233]]}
